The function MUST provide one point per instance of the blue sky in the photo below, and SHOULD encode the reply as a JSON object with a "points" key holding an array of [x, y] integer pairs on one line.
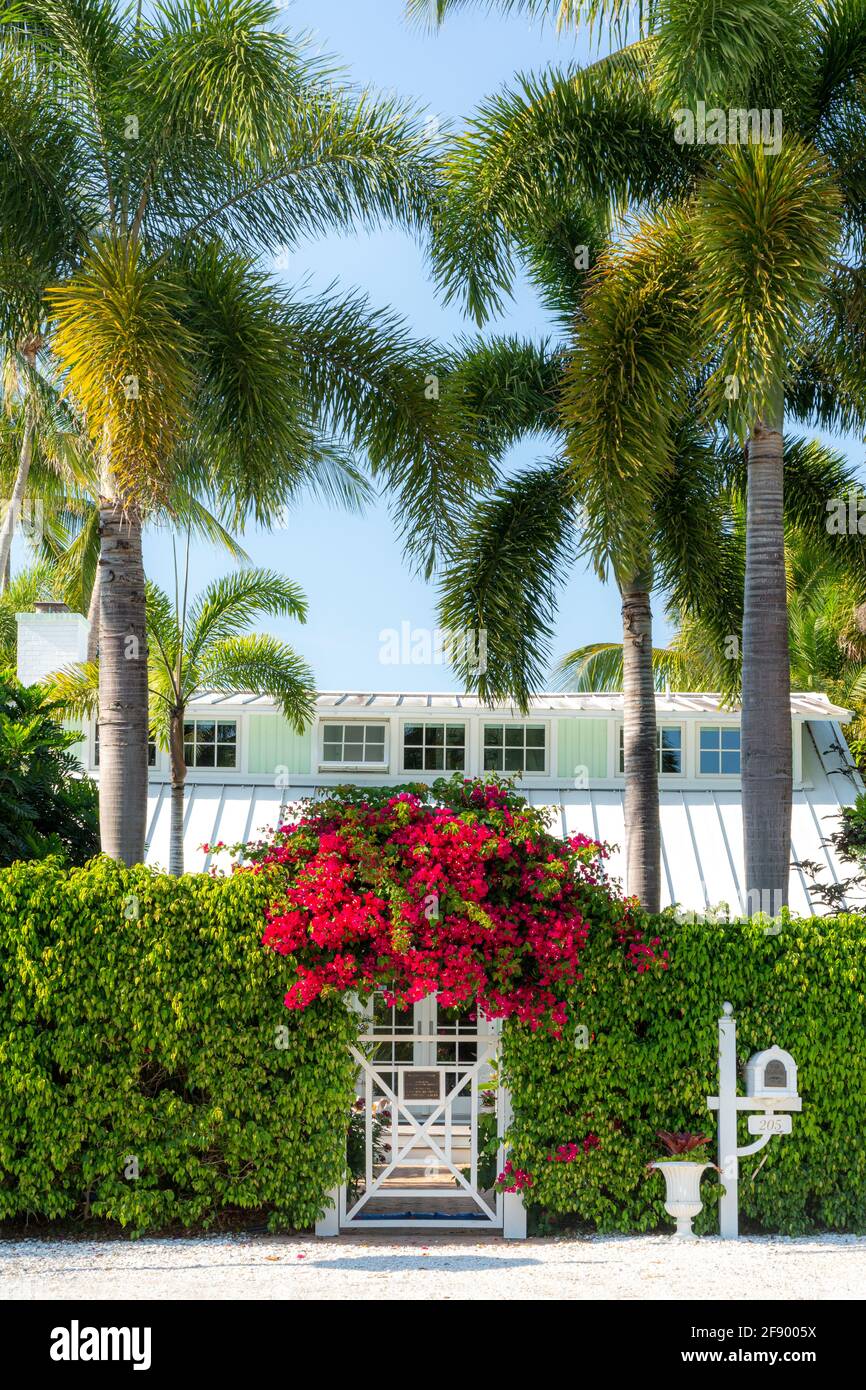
{"points": [[351, 567]]}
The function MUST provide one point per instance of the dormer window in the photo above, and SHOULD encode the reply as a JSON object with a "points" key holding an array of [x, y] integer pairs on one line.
{"points": [[354, 744], [669, 749], [210, 743], [515, 748], [434, 747], [719, 751]]}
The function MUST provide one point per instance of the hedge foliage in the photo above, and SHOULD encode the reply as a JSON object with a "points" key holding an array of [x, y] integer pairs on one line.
{"points": [[651, 1061], [142, 1030]]}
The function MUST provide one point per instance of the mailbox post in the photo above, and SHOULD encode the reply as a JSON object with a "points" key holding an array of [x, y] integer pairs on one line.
{"points": [[771, 1088]]}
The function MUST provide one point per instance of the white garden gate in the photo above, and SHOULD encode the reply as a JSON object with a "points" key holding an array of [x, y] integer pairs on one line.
{"points": [[432, 1111]]}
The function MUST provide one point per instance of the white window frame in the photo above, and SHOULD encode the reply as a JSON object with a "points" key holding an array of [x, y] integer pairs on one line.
{"points": [[663, 724], [200, 718], [433, 723], [721, 727], [487, 721], [349, 766]]}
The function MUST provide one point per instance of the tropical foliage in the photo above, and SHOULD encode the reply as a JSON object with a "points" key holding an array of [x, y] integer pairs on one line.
{"points": [[149, 161], [47, 806], [203, 645], [734, 269]]}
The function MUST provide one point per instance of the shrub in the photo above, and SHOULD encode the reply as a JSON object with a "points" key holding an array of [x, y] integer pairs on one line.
{"points": [[46, 805], [651, 1062], [459, 890], [142, 1032]]}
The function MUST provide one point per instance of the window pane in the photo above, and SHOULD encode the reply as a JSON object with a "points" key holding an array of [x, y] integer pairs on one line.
{"points": [[454, 736], [204, 732], [413, 759], [710, 738], [493, 760], [731, 738], [535, 738], [227, 733], [730, 762], [188, 729], [670, 761], [435, 759], [535, 760], [709, 761], [493, 736], [671, 738], [455, 760], [189, 755], [151, 755], [353, 737], [374, 753], [434, 735], [514, 760], [226, 753], [204, 755], [413, 735], [514, 737]]}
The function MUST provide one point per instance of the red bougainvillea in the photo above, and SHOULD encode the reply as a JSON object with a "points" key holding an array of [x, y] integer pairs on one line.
{"points": [[458, 890]]}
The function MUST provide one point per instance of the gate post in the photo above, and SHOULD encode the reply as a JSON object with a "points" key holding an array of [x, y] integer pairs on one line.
{"points": [[328, 1223], [513, 1210]]}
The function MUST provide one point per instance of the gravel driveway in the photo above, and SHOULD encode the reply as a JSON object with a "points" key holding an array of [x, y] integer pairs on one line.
{"points": [[418, 1267]]}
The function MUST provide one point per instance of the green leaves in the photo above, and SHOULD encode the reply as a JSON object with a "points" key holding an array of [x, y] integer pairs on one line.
{"points": [[126, 359], [46, 807], [651, 1061], [141, 1018], [765, 230], [509, 561]]}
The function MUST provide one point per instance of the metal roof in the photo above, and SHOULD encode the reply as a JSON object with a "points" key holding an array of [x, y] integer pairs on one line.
{"points": [[808, 705], [702, 829]]}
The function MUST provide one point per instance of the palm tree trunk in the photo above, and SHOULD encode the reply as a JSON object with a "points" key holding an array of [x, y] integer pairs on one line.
{"points": [[640, 749], [16, 502], [178, 779], [123, 718], [93, 618], [766, 717]]}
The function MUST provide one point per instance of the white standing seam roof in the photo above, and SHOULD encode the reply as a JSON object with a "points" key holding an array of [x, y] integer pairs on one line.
{"points": [[701, 828], [806, 704]]}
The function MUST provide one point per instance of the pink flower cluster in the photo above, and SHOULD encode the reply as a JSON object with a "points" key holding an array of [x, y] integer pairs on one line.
{"points": [[513, 1179], [473, 901], [567, 1153]]}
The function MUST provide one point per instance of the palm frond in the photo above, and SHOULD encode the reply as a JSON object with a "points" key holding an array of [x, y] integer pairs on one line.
{"points": [[264, 666]]}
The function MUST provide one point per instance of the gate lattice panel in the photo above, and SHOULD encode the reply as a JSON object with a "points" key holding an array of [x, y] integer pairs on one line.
{"points": [[434, 1111]]}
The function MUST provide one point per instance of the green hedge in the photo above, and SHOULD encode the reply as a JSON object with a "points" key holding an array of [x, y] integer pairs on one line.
{"points": [[142, 1029], [141, 1019], [652, 1061]]}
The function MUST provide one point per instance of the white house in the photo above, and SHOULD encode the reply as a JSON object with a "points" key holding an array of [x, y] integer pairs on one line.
{"points": [[248, 769]]}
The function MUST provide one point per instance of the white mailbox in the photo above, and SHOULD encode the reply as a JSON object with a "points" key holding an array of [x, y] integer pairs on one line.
{"points": [[771, 1075], [771, 1089]]}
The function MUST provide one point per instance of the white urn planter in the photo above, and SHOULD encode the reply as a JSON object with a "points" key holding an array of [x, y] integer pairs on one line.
{"points": [[683, 1192]]}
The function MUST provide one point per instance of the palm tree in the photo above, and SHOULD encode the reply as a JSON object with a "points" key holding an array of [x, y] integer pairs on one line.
{"points": [[766, 311], [146, 164], [200, 647]]}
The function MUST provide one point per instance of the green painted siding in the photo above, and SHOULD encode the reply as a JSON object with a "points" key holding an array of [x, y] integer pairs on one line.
{"points": [[273, 744], [582, 743]]}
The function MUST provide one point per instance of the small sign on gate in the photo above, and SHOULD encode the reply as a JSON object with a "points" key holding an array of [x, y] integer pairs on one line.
{"points": [[422, 1085]]}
